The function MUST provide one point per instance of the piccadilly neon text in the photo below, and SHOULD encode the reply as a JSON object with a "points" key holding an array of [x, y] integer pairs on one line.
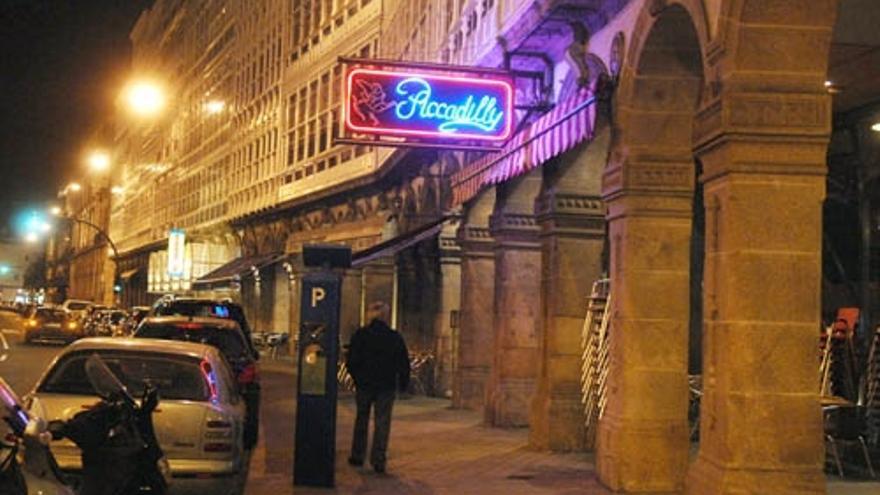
{"points": [[427, 105]]}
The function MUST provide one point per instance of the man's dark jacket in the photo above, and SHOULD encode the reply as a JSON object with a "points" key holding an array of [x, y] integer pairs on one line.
{"points": [[377, 358]]}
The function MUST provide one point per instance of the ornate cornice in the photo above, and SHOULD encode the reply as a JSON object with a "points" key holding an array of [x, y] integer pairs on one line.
{"points": [[515, 230], [570, 214]]}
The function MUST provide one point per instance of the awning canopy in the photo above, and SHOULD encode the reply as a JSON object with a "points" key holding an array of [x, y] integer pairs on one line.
{"points": [[397, 244], [127, 274], [242, 265], [567, 125]]}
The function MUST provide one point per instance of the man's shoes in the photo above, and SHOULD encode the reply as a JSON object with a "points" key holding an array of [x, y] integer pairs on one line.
{"points": [[355, 462], [379, 468]]}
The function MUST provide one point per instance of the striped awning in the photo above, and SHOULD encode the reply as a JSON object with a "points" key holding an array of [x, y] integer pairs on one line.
{"points": [[559, 130]]}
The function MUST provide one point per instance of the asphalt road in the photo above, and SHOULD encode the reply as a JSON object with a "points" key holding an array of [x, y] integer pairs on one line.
{"points": [[21, 365]]}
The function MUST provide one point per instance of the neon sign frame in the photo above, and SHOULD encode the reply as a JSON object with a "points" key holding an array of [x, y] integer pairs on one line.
{"points": [[457, 115]]}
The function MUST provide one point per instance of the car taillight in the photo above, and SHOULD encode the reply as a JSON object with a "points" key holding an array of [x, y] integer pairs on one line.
{"points": [[218, 447], [218, 434], [248, 374]]}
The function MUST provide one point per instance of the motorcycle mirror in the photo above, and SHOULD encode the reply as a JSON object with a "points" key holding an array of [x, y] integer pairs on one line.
{"points": [[104, 381]]}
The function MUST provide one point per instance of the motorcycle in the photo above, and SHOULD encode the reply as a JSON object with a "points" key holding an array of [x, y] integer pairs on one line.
{"points": [[120, 452], [33, 473]]}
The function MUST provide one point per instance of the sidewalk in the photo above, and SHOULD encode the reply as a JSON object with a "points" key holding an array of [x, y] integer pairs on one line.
{"points": [[433, 450]]}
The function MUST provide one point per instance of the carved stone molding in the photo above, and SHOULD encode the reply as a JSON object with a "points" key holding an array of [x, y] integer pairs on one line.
{"points": [[515, 230], [763, 114], [648, 177], [570, 214], [475, 241]]}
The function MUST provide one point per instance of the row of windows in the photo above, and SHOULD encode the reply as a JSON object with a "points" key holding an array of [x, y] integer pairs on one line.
{"points": [[314, 119], [311, 20]]}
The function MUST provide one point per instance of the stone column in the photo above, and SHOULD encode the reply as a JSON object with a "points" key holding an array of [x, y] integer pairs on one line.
{"points": [[350, 311], [517, 302], [378, 282], [450, 296], [761, 425], [281, 305], [477, 316], [642, 443], [572, 241]]}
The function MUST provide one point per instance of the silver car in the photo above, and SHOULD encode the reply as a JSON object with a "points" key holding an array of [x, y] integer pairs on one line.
{"points": [[200, 418]]}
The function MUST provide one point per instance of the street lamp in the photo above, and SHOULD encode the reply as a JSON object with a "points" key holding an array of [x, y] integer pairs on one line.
{"points": [[98, 161], [144, 98], [31, 237], [74, 186], [55, 211], [214, 107]]}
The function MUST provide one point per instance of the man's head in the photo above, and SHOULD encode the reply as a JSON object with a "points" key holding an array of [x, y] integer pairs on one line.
{"points": [[378, 310]]}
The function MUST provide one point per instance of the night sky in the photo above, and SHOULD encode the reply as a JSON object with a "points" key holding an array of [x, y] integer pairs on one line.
{"points": [[61, 64]]}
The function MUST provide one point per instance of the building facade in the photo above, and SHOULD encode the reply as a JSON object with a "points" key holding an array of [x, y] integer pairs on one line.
{"points": [[628, 110]]}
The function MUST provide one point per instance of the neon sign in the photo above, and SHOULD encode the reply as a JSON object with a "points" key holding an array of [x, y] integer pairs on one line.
{"points": [[405, 104]]}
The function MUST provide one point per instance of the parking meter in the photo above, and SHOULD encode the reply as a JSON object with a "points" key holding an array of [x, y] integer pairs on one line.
{"points": [[318, 349]]}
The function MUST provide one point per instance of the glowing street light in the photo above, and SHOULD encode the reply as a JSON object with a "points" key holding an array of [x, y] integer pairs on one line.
{"points": [[876, 127], [55, 211], [74, 186], [98, 161], [144, 98], [117, 190], [213, 107], [31, 237]]}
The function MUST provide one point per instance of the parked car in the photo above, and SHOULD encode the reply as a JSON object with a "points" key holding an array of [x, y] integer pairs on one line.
{"points": [[51, 323], [200, 418], [225, 335], [79, 308], [135, 315], [209, 308]]}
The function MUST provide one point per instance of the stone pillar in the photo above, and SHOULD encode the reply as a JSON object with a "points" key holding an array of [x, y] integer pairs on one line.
{"points": [[642, 443], [517, 302], [476, 317], [449, 292], [761, 426], [281, 305], [295, 293], [350, 311], [379, 284], [572, 241]]}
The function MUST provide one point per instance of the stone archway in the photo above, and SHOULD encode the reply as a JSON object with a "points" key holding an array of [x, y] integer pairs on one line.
{"points": [[648, 187]]}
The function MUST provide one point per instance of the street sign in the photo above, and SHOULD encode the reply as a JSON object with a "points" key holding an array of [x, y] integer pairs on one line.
{"points": [[427, 105], [315, 450], [176, 252]]}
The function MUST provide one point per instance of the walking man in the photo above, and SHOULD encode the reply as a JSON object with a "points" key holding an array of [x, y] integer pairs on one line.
{"points": [[379, 363]]}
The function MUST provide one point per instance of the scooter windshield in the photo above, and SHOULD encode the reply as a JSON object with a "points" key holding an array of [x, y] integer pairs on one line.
{"points": [[107, 385]]}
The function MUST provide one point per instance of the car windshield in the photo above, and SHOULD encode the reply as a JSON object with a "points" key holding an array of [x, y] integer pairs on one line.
{"points": [[117, 317], [46, 314], [228, 341], [207, 309], [193, 308], [176, 377], [77, 306]]}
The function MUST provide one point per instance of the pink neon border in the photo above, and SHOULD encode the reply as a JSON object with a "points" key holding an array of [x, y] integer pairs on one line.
{"points": [[504, 83]]}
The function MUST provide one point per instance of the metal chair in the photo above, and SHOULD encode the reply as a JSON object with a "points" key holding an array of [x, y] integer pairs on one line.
{"points": [[844, 425]]}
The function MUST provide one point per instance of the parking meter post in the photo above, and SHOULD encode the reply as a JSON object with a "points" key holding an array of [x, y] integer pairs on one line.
{"points": [[318, 353]]}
